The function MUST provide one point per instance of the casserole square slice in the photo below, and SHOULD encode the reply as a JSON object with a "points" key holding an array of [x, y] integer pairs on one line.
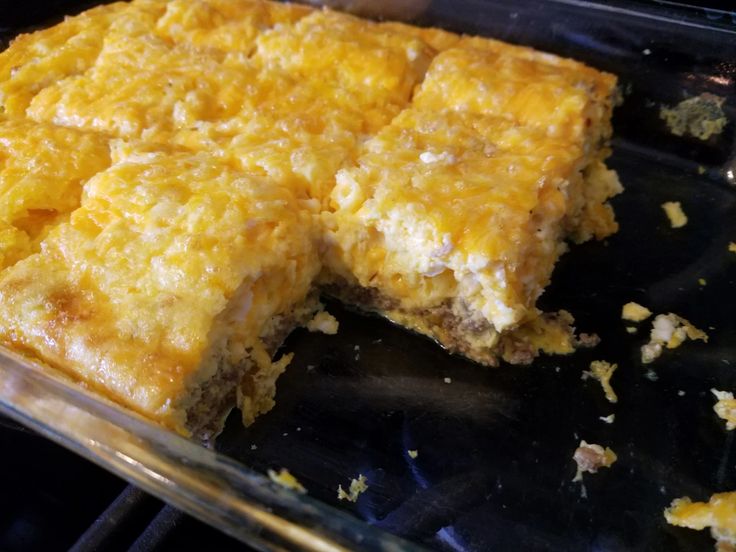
{"points": [[169, 288], [451, 224]]}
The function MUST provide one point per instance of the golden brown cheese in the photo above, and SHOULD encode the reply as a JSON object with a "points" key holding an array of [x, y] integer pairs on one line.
{"points": [[220, 26], [37, 60], [173, 264], [284, 129], [264, 113], [527, 91], [354, 61], [142, 88], [437, 39], [42, 170]]}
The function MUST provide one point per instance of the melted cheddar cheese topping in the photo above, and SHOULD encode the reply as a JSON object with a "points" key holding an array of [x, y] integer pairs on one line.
{"points": [[42, 170]]}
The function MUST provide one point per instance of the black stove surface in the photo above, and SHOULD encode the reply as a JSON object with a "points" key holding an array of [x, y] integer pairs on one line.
{"points": [[52, 499]]}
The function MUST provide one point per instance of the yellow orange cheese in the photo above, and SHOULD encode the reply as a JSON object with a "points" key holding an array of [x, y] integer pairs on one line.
{"points": [[719, 513], [42, 171]]}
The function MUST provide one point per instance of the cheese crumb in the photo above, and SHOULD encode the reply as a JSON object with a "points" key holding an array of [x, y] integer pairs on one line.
{"points": [[428, 157], [669, 330], [719, 513], [323, 322], [674, 212], [591, 457], [701, 116], [448, 380], [651, 375], [634, 312], [357, 487], [732, 247], [608, 419], [412, 453], [701, 281], [602, 371], [725, 407], [631, 329], [286, 480]]}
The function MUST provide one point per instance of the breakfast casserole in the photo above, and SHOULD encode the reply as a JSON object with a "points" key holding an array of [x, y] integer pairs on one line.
{"points": [[181, 179]]}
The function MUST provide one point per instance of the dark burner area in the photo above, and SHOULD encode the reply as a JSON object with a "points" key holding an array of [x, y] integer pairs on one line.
{"points": [[52, 499]]}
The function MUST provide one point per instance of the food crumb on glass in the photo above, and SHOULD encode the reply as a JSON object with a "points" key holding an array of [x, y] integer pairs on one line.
{"points": [[602, 371], [357, 487], [608, 419], [674, 212], [323, 322], [286, 480], [701, 116], [725, 407], [670, 331], [590, 457], [412, 453], [448, 380], [634, 312]]}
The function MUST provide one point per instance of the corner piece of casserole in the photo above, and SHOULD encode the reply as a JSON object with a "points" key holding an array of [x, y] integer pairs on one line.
{"points": [[169, 289]]}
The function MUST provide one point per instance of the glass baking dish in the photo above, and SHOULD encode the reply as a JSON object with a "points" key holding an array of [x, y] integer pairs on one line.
{"points": [[493, 468]]}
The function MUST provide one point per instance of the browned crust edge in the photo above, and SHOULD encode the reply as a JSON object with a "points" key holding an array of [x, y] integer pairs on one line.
{"points": [[461, 335], [207, 417]]}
